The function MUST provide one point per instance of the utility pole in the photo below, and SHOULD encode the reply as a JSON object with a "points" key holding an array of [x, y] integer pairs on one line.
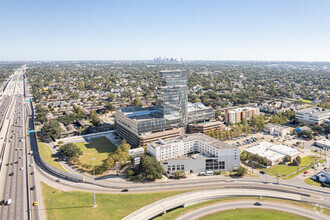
{"points": [[94, 206], [297, 168]]}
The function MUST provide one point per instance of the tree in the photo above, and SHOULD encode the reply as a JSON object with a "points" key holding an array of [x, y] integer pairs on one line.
{"points": [[241, 171], [94, 118], [244, 121], [110, 107], [286, 158], [137, 102], [243, 156], [51, 130], [306, 134], [151, 168], [318, 128], [111, 97], [70, 150], [296, 161], [108, 163]]}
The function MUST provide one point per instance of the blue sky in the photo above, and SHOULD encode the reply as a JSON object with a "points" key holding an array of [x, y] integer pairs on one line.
{"points": [[141, 29]]}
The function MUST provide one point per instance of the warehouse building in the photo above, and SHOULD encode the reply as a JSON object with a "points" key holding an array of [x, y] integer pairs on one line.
{"points": [[273, 153]]}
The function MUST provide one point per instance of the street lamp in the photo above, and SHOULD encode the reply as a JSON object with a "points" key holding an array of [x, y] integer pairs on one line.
{"points": [[94, 183]]}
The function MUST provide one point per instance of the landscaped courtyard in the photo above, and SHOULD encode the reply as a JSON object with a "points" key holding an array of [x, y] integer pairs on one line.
{"points": [[98, 148]]}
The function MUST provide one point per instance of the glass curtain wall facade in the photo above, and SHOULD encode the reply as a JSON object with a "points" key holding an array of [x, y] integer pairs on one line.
{"points": [[172, 97]]}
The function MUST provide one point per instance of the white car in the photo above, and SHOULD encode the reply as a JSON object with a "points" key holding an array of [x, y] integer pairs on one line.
{"points": [[22, 168]]}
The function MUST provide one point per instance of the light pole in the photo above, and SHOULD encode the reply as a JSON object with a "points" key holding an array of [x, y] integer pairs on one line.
{"points": [[94, 183]]}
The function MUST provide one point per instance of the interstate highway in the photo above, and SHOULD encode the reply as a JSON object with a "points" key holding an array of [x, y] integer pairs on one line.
{"points": [[16, 179]]}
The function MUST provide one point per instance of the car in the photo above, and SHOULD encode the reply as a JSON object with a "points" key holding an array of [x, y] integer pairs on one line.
{"points": [[124, 190], [35, 203], [32, 188], [20, 157], [16, 162], [22, 168], [7, 164], [257, 204], [272, 140], [2, 202], [11, 163], [57, 180], [11, 174], [306, 172], [21, 148], [262, 172], [32, 172]]}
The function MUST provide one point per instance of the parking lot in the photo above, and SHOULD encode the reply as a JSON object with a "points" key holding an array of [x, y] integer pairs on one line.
{"points": [[305, 147]]}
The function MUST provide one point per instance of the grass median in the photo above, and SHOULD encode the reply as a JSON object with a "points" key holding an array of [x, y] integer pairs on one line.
{"points": [[253, 213], [79, 205], [49, 157]]}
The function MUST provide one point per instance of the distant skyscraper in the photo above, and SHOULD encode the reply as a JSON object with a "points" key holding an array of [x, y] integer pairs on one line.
{"points": [[172, 98]]}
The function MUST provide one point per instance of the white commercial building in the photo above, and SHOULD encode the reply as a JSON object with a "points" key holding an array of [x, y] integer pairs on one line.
{"points": [[324, 143], [195, 153], [277, 130], [313, 115], [273, 153]]}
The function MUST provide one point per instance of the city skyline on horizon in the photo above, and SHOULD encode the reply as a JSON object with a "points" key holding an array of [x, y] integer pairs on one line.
{"points": [[197, 31]]}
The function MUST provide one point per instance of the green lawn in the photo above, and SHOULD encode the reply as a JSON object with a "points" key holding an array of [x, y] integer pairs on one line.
{"points": [[98, 148], [49, 157], [264, 214], [284, 170], [79, 205], [313, 182]]}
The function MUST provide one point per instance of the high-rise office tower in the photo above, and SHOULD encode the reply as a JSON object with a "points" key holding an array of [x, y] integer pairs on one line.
{"points": [[172, 97]]}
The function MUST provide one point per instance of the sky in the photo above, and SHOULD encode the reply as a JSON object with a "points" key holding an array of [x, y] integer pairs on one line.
{"points": [[278, 30]]}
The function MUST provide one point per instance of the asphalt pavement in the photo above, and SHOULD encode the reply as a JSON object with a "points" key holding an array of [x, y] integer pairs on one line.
{"points": [[212, 209], [16, 187]]}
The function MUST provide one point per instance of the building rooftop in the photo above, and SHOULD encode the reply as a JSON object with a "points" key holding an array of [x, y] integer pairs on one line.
{"points": [[324, 142], [197, 137], [141, 114], [197, 106], [276, 126], [242, 109], [272, 152], [314, 111]]}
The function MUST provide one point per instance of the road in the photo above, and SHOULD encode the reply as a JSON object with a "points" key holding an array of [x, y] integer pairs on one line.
{"points": [[17, 180], [212, 209]]}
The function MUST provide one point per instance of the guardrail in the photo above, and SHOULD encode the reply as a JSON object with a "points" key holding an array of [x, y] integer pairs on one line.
{"points": [[37, 157]]}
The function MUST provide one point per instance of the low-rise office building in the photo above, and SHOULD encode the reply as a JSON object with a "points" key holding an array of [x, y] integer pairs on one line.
{"points": [[195, 153], [312, 116], [273, 153], [324, 143], [277, 130], [237, 115]]}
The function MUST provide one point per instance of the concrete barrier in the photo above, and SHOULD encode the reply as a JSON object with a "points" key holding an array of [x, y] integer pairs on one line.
{"points": [[161, 206]]}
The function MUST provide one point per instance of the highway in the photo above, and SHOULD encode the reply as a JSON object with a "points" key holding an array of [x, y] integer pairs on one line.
{"points": [[16, 181], [212, 209]]}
